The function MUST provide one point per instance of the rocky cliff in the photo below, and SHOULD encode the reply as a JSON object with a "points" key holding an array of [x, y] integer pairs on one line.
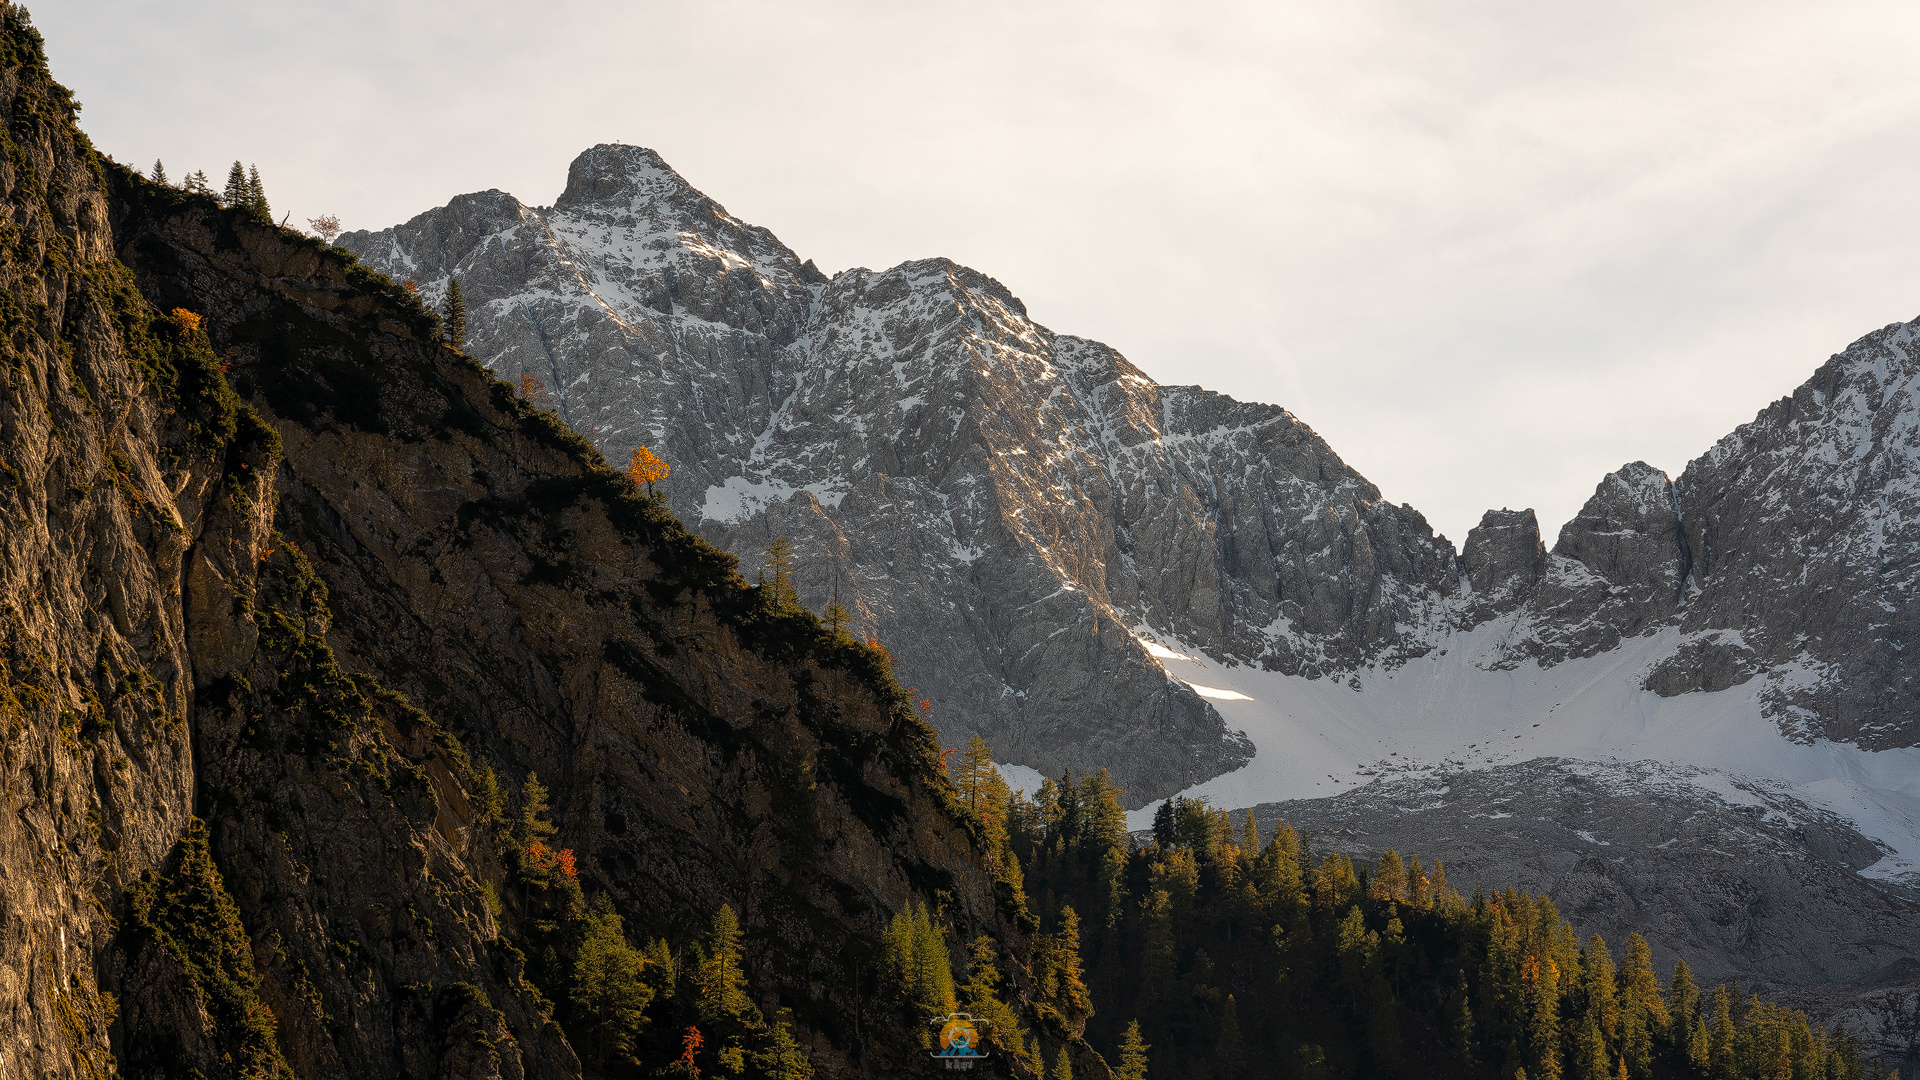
{"points": [[1008, 507], [1000, 504], [291, 592]]}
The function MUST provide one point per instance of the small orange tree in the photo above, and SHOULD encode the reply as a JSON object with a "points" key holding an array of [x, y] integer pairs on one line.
{"points": [[326, 226], [533, 391], [647, 468]]}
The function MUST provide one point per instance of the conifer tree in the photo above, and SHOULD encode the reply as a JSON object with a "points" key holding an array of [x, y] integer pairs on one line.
{"points": [[835, 618], [1683, 1000], [1542, 982], [1062, 1065], [721, 982], [1074, 999], [1590, 1052], [1460, 1029], [783, 1059], [1231, 1052], [1598, 994], [1164, 829], [1643, 1012], [779, 556], [1722, 1064], [534, 826], [1419, 889], [159, 173], [453, 320], [975, 782], [914, 953], [1133, 1054], [980, 996], [237, 195], [1389, 879], [257, 195], [1156, 952], [610, 992]]}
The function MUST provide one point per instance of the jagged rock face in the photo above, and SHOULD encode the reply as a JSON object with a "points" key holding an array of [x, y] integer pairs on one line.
{"points": [[1788, 551], [1737, 877], [999, 504], [276, 609], [1002, 504], [1803, 528], [1503, 559]]}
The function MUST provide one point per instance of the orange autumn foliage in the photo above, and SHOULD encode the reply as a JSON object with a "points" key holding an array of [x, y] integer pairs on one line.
{"points": [[532, 391], [544, 859], [187, 321], [692, 1044], [647, 468]]}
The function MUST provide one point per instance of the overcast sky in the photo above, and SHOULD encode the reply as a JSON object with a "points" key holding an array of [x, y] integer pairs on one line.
{"points": [[1489, 250]]}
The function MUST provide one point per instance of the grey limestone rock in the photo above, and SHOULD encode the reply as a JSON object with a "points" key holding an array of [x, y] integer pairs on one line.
{"points": [[1001, 505], [1004, 506]]}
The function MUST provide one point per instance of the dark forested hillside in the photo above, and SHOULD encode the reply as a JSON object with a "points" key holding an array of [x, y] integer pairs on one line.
{"points": [[357, 720], [1242, 957]]}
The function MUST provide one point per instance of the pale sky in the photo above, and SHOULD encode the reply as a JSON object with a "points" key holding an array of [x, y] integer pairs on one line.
{"points": [[1489, 250]]}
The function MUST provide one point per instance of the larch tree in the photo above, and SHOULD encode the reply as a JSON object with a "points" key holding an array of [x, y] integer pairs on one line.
{"points": [[779, 565], [1597, 989], [453, 320], [1389, 879], [980, 996], [721, 981], [1419, 889], [611, 990], [836, 617], [915, 956], [1643, 1012], [534, 826], [1722, 1051], [1133, 1054], [976, 781], [1231, 1052], [1074, 998]]}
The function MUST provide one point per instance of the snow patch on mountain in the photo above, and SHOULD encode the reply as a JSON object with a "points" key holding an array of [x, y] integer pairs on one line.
{"points": [[1449, 712]]}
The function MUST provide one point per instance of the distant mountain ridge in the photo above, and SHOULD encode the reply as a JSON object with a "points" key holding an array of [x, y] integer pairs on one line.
{"points": [[1006, 506]]}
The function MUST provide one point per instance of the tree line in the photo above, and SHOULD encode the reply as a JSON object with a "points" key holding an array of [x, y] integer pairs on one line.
{"points": [[1218, 954]]}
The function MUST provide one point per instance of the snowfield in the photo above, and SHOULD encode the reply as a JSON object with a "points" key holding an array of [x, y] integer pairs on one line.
{"points": [[1446, 713]]}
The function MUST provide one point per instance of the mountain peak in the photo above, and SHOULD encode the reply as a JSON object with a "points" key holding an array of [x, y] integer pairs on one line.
{"points": [[614, 174]]}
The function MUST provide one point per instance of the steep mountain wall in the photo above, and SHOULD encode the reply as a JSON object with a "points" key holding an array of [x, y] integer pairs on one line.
{"points": [[1006, 507], [1001, 505], [287, 583]]}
